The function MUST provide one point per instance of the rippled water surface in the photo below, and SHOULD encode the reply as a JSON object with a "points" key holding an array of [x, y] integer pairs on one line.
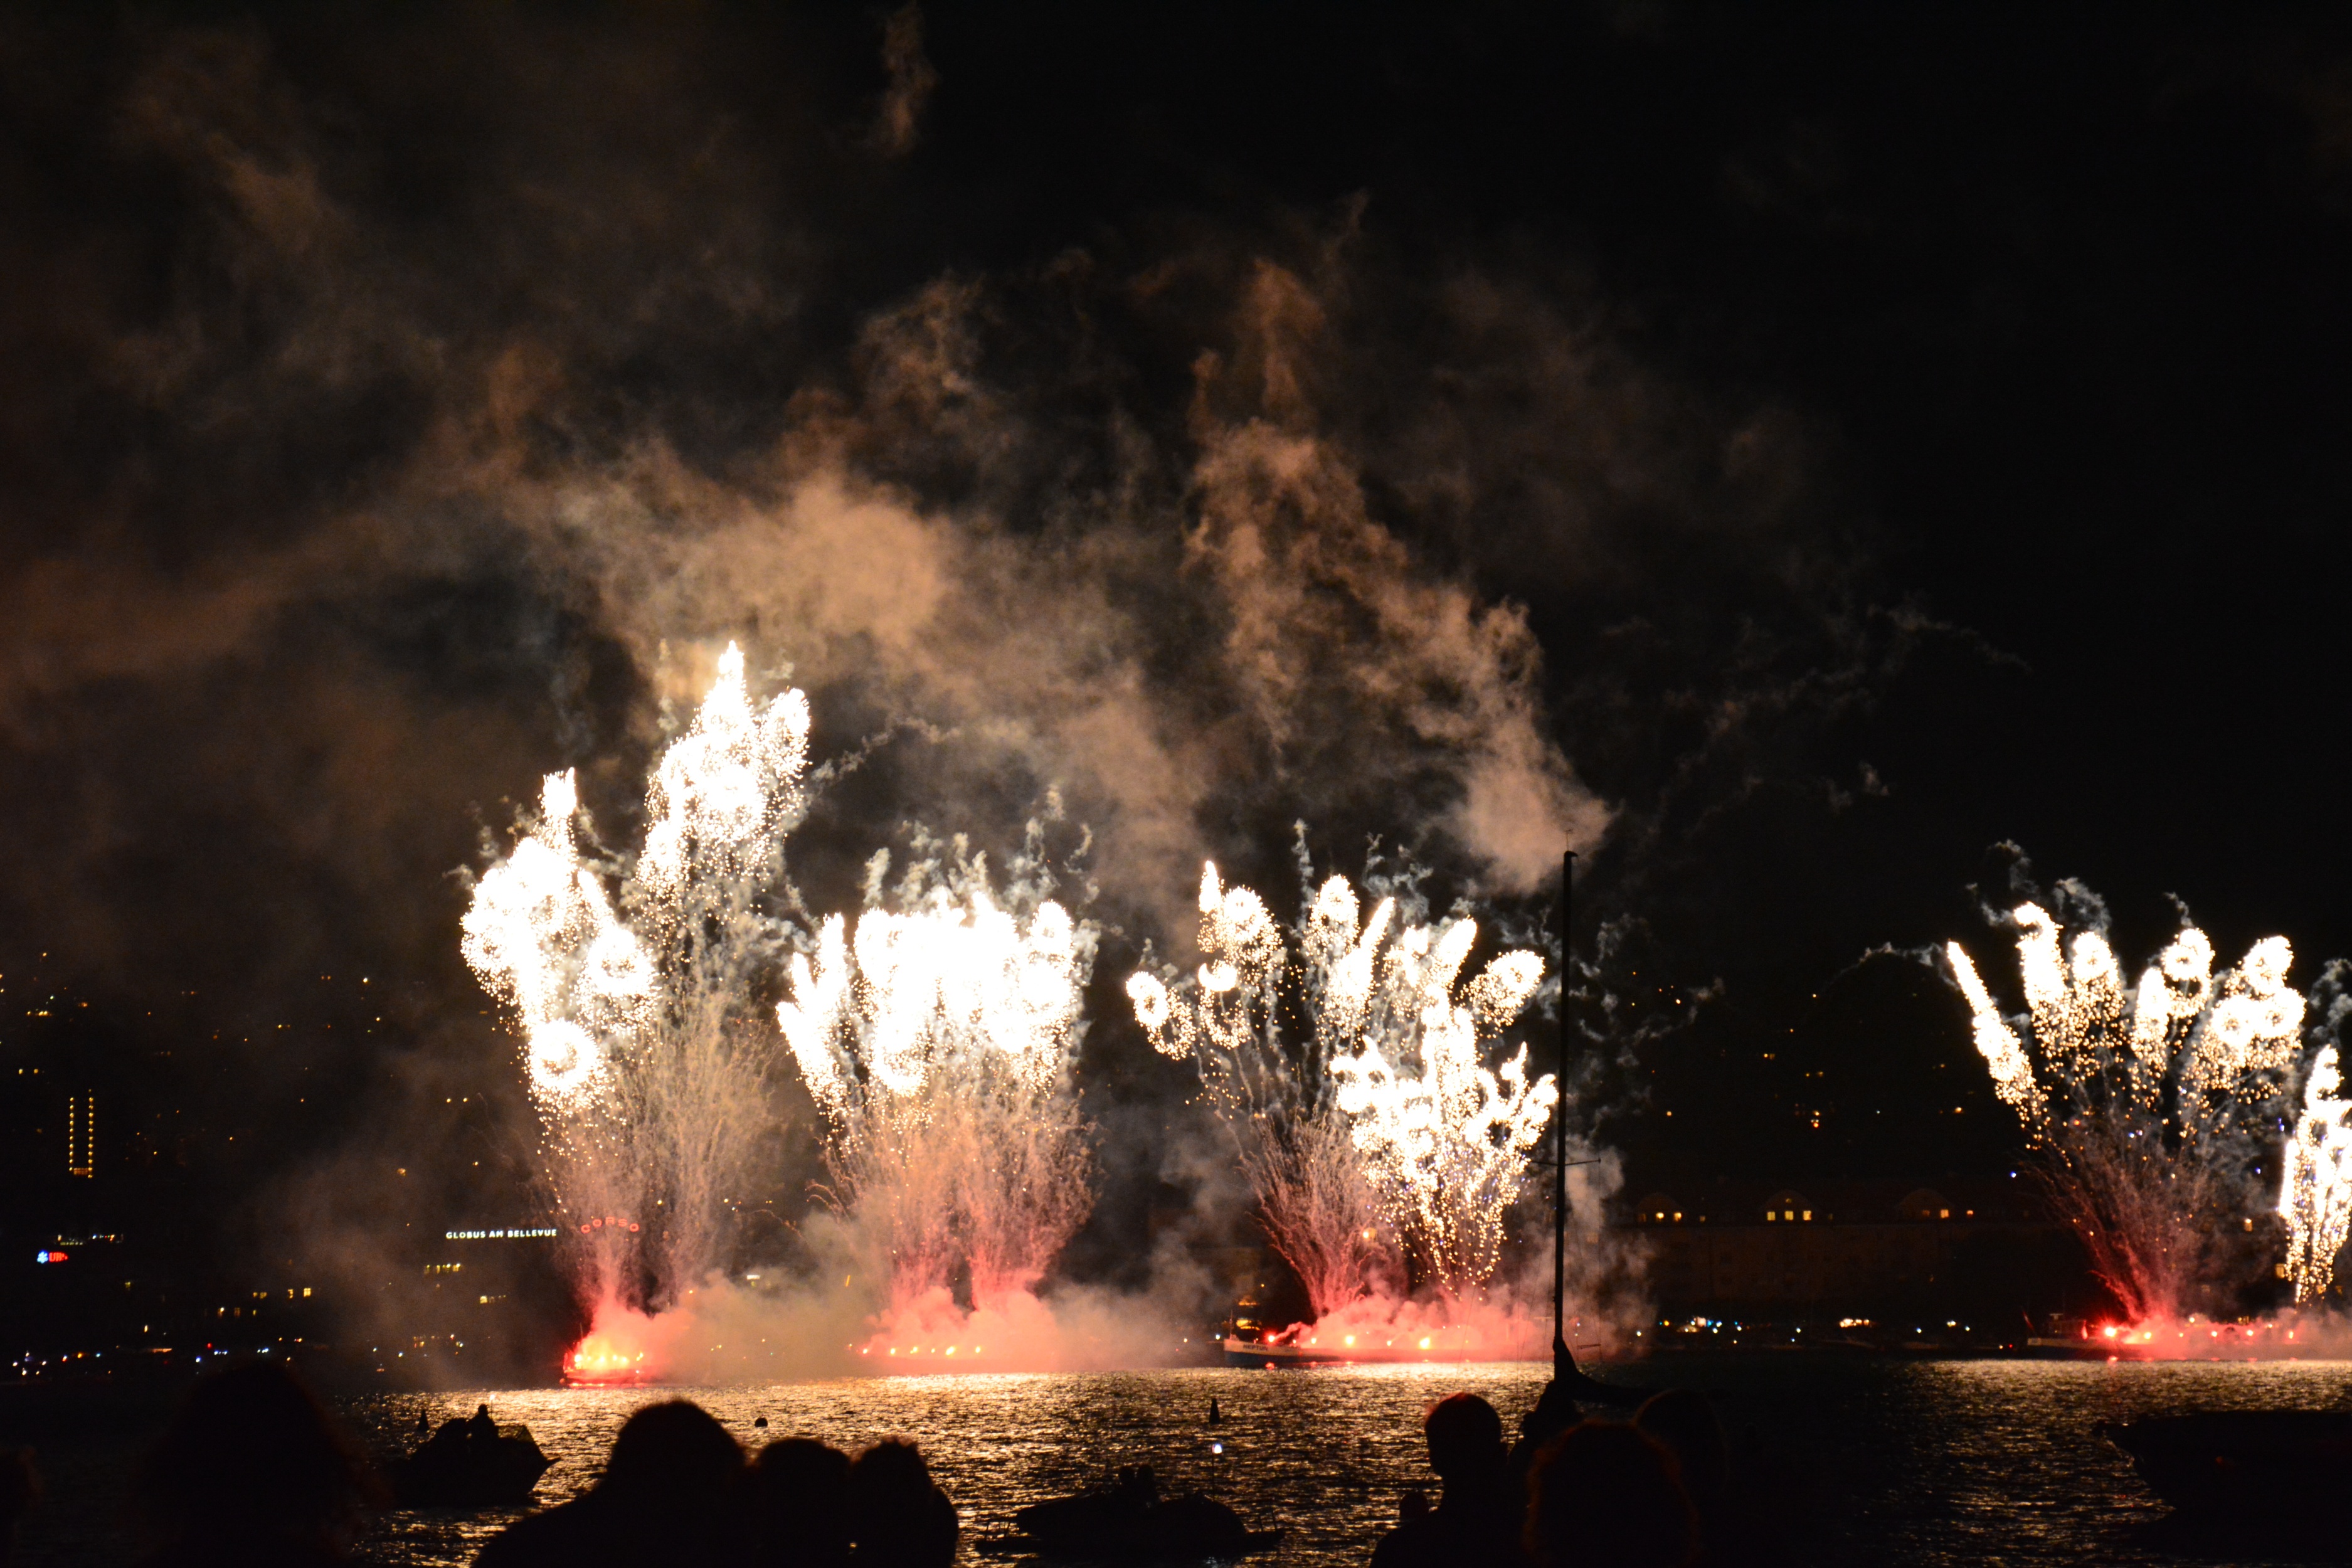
{"points": [[1873, 1462], [1325, 1455], [1928, 1463]]}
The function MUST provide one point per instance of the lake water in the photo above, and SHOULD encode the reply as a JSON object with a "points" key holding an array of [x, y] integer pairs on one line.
{"points": [[1877, 1463]]}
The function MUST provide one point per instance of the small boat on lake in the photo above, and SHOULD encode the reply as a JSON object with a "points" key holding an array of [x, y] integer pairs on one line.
{"points": [[1130, 1521], [1249, 1341], [1275, 1355], [2276, 1468], [470, 1463]]}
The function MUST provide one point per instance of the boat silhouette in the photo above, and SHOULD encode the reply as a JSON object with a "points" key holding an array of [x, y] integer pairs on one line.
{"points": [[1130, 1521], [470, 1463], [2251, 1469]]}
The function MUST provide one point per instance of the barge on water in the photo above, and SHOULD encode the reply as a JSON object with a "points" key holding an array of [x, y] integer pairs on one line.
{"points": [[1248, 1342]]}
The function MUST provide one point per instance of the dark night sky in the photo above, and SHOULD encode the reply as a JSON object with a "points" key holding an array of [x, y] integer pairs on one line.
{"points": [[1906, 429]]}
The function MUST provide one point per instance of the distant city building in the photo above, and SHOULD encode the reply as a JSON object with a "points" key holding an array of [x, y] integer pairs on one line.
{"points": [[81, 1135], [1837, 1247]]}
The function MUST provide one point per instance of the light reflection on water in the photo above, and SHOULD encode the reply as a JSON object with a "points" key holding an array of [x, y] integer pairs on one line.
{"points": [[1326, 1454], [1932, 1464]]}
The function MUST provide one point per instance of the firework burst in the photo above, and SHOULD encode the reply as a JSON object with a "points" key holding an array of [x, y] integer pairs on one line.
{"points": [[1383, 1129], [643, 1054], [938, 1038], [2151, 1107]]}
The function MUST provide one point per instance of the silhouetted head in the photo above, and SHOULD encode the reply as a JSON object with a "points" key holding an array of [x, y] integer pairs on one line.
{"points": [[1683, 1420], [1602, 1495], [18, 1489], [796, 1505], [1465, 1436], [897, 1518], [251, 1468], [672, 1455]]}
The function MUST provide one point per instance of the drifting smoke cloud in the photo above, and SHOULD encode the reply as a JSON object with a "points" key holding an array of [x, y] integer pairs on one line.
{"points": [[438, 403], [1175, 620], [1262, 639]]}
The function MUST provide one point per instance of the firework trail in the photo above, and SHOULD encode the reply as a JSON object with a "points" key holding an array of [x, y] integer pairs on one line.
{"points": [[2149, 1107], [1385, 1122], [2315, 1181], [645, 1059], [939, 1039]]}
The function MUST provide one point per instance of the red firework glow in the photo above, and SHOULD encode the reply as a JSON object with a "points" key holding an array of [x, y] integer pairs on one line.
{"points": [[718, 1333], [621, 1347], [1390, 1330], [2289, 1335], [597, 1360], [1011, 1332]]}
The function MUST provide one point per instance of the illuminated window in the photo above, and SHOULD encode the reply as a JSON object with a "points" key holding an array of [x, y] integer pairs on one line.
{"points": [[1925, 1203], [1809, 1214], [81, 1132]]}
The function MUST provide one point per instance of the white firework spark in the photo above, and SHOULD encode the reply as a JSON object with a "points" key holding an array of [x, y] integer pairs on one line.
{"points": [[2316, 1184], [1275, 1098], [939, 1039], [2005, 1053], [2147, 1105], [1446, 1138], [647, 1063], [1388, 1111]]}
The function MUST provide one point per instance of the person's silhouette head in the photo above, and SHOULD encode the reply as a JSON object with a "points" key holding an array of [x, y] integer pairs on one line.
{"points": [[1602, 1495], [1683, 1420], [671, 1456], [18, 1489], [897, 1517], [252, 1468], [1465, 1436], [797, 1507]]}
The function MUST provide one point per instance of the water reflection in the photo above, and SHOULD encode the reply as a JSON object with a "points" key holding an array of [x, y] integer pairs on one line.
{"points": [[1326, 1454], [1882, 1463]]}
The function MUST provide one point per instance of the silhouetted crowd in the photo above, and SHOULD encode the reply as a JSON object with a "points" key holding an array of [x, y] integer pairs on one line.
{"points": [[254, 1471], [1657, 1491]]}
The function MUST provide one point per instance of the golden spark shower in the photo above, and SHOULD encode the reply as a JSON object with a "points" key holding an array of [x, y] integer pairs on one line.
{"points": [[937, 1039], [631, 984], [2155, 1111], [1383, 1150], [935, 1034]]}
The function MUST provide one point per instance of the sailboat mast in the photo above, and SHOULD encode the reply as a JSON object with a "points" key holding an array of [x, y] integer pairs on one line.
{"points": [[1561, 1359]]}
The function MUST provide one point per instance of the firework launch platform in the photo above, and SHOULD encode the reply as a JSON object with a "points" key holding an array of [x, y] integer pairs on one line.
{"points": [[1285, 1355]]}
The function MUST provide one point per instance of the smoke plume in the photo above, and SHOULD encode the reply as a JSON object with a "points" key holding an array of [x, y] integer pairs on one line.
{"points": [[415, 409]]}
